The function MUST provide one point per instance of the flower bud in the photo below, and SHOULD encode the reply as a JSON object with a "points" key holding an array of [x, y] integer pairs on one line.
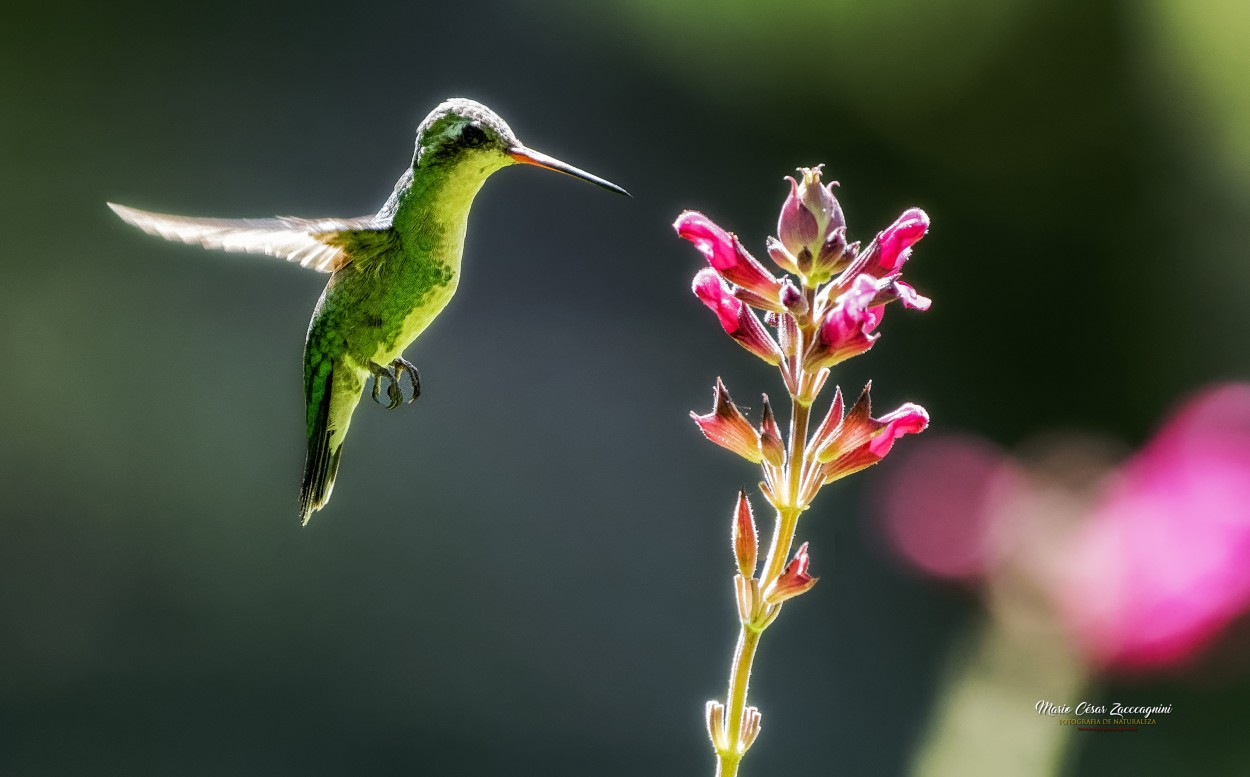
{"points": [[833, 257], [793, 581], [728, 427], [735, 317], [810, 213], [829, 427], [745, 537], [792, 299], [771, 445], [780, 256]]}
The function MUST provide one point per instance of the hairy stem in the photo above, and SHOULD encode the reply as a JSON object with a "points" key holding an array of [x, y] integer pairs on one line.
{"points": [[788, 511]]}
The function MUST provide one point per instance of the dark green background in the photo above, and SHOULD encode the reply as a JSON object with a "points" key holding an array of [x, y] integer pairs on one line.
{"points": [[526, 572]]}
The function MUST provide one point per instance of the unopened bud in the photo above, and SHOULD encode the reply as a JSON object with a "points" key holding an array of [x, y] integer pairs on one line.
{"points": [[793, 581], [792, 299], [746, 539], [809, 214], [771, 445]]}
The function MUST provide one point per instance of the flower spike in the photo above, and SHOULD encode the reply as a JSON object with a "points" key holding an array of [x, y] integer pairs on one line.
{"points": [[728, 427], [825, 307]]}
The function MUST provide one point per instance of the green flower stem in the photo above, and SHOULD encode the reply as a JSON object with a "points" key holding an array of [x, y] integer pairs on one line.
{"points": [[785, 526], [727, 760]]}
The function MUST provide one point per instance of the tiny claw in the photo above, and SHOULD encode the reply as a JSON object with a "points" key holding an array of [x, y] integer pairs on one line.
{"points": [[395, 393], [380, 372], [414, 378]]}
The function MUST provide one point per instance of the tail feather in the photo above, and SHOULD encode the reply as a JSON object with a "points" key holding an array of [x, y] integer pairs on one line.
{"points": [[322, 463]]}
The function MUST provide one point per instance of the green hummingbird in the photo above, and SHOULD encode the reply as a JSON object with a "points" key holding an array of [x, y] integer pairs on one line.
{"points": [[390, 274]]}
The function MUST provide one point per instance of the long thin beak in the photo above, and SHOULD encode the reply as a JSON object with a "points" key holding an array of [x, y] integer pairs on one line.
{"points": [[528, 156]]}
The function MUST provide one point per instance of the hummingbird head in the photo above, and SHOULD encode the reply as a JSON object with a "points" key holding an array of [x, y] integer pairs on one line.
{"points": [[461, 132]]}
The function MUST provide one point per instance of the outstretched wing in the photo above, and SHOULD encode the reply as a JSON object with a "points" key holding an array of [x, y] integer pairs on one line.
{"points": [[314, 243]]}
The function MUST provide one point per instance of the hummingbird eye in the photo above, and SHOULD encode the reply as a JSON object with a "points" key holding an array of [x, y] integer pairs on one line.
{"points": [[473, 136]]}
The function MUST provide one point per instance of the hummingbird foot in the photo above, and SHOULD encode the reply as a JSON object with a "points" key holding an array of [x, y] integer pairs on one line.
{"points": [[414, 378], [394, 374], [393, 392]]}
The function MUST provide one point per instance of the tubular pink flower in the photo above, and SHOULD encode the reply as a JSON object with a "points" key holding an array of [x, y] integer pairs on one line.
{"points": [[895, 242], [711, 291], [735, 317], [1163, 563], [861, 440], [728, 427], [726, 254], [793, 581], [847, 328], [910, 298]]}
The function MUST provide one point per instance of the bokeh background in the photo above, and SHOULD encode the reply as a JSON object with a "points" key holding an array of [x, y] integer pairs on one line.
{"points": [[526, 571]]}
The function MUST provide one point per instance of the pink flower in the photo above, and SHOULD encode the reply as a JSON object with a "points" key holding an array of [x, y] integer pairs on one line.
{"points": [[793, 581], [735, 317], [726, 255], [1143, 564], [728, 427], [1163, 562], [905, 293], [847, 329], [861, 440], [895, 242]]}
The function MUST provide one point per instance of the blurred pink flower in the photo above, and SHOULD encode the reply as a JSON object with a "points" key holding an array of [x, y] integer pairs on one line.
{"points": [[1163, 562], [938, 507], [1142, 575]]}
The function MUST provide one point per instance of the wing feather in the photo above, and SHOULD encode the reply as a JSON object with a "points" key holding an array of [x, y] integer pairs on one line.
{"points": [[307, 242]]}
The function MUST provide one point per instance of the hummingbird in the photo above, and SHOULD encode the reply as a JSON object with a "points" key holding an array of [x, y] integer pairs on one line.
{"points": [[391, 273]]}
